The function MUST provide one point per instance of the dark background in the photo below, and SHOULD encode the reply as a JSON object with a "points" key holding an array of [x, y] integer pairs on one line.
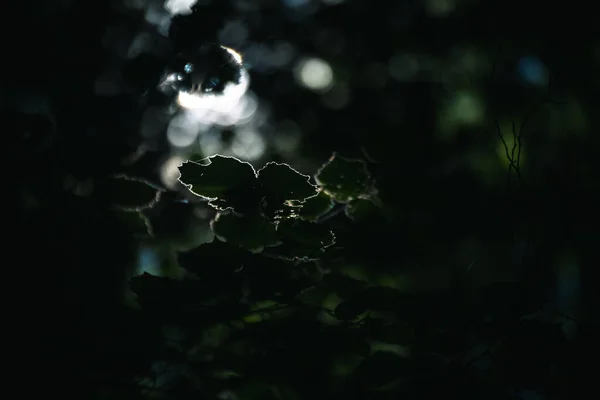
{"points": [[429, 93]]}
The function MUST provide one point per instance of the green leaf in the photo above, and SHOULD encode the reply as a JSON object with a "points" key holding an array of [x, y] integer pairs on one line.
{"points": [[302, 239], [501, 300], [170, 300], [255, 390], [305, 233], [252, 232], [280, 182], [381, 369], [226, 180], [315, 207], [264, 310], [270, 278], [313, 295], [344, 179], [189, 304], [136, 222], [348, 310], [361, 210], [342, 285], [397, 333], [214, 261], [381, 298], [128, 194]]}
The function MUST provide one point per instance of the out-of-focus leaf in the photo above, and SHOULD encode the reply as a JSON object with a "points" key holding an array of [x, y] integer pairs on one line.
{"points": [[382, 299], [343, 179], [271, 278], [342, 285], [265, 310], [313, 295], [396, 333], [255, 390], [361, 210], [305, 233], [136, 222], [213, 261], [252, 232], [343, 365], [501, 300], [280, 182], [382, 368], [128, 194], [315, 207], [170, 300], [348, 310]]}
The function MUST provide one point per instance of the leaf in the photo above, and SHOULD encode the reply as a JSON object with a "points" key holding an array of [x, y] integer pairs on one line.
{"points": [[313, 295], [397, 333], [270, 278], [264, 310], [189, 304], [255, 390], [315, 207], [302, 239], [136, 222], [214, 261], [361, 210], [226, 180], [501, 300], [348, 310], [382, 368], [305, 233], [381, 298], [343, 179], [280, 182], [342, 285], [128, 194], [340, 341], [252, 232], [170, 300]]}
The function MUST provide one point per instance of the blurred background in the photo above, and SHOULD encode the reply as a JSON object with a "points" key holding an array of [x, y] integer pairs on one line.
{"points": [[477, 119]]}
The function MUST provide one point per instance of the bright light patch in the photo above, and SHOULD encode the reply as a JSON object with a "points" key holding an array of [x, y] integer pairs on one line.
{"points": [[222, 103], [222, 108], [315, 74], [236, 56], [183, 7], [169, 172], [182, 131]]}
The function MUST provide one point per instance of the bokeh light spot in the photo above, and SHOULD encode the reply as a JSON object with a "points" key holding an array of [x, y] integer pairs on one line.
{"points": [[532, 71], [287, 137], [248, 145], [440, 8], [315, 74], [169, 171], [211, 143], [403, 67], [182, 131]]}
